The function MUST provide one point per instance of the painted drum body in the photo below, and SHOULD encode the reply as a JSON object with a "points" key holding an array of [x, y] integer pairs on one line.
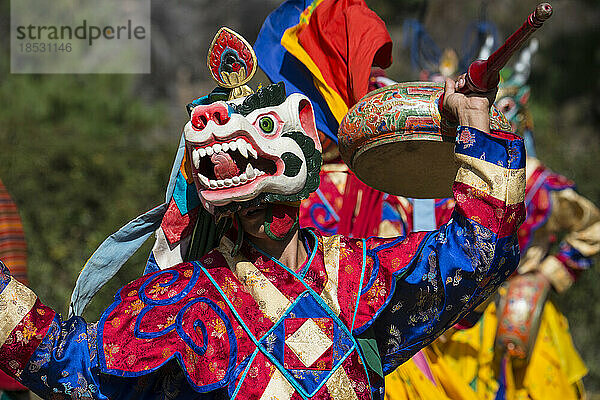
{"points": [[395, 140], [519, 315]]}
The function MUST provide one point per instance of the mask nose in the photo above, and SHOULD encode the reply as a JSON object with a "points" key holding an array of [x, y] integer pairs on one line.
{"points": [[215, 112]]}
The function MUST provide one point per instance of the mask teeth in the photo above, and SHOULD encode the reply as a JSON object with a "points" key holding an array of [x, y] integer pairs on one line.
{"points": [[204, 180], [240, 145], [249, 175]]}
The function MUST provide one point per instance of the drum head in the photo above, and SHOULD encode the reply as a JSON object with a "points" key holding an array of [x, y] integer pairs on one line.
{"points": [[395, 140], [411, 168]]}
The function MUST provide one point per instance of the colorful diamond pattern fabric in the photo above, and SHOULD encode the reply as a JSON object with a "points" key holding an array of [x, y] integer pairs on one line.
{"points": [[308, 344]]}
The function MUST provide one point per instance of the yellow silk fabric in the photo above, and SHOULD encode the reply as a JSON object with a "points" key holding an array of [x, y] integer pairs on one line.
{"points": [[408, 382], [16, 300], [553, 372]]}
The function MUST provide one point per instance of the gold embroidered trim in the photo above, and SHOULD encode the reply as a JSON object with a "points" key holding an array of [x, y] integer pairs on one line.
{"points": [[506, 185], [278, 388], [309, 342], [16, 300], [269, 299], [331, 255], [340, 386]]}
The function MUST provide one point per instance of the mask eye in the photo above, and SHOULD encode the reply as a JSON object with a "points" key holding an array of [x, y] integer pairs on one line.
{"points": [[266, 124]]}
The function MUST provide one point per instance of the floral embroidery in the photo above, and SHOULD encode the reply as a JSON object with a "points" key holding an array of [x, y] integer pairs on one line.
{"points": [[157, 288], [111, 349], [168, 322], [135, 308]]}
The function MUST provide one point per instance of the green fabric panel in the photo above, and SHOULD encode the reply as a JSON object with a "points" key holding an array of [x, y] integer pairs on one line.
{"points": [[370, 351]]}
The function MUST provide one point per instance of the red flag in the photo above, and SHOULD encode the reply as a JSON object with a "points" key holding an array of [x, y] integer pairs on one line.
{"points": [[345, 38]]}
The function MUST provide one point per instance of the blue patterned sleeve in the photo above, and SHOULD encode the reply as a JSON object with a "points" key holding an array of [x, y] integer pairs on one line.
{"points": [[428, 281], [4, 276], [65, 361], [50, 356]]}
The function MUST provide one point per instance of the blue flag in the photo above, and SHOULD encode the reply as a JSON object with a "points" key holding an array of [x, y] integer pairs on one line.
{"points": [[281, 66]]}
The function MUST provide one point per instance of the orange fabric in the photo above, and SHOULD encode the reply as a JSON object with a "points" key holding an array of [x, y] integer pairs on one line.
{"points": [[13, 253], [13, 249], [335, 38]]}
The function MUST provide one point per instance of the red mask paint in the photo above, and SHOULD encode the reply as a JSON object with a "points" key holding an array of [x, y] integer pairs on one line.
{"points": [[280, 220]]}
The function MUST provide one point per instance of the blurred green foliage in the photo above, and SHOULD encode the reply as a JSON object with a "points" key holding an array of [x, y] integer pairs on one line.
{"points": [[81, 156]]}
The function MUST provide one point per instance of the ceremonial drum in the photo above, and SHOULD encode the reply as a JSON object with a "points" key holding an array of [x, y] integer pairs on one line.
{"points": [[519, 314], [395, 140]]}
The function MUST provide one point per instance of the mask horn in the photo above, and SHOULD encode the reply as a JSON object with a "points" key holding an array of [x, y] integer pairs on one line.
{"points": [[523, 66], [487, 47]]}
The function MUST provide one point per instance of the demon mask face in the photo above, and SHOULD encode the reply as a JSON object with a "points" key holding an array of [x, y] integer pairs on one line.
{"points": [[512, 101], [249, 148]]}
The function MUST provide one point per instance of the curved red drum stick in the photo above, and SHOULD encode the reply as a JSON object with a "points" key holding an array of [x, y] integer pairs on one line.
{"points": [[484, 75]]}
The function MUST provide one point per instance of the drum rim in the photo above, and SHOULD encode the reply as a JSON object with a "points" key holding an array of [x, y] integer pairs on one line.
{"points": [[400, 137], [401, 84]]}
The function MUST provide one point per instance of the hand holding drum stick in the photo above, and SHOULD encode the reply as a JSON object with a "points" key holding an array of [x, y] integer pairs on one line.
{"points": [[480, 83], [471, 109]]}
